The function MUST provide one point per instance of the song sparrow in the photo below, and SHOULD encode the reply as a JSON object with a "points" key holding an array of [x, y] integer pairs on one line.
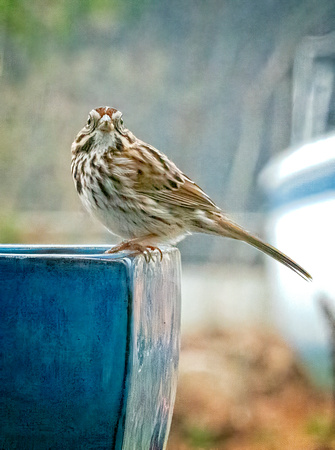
{"points": [[140, 195]]}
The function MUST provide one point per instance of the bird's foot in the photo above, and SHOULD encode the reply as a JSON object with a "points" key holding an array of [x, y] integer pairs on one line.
{"points": [[145, 250]]}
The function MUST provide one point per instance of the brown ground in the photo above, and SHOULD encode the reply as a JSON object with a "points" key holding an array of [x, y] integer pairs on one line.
{"points": [[245, 390]]}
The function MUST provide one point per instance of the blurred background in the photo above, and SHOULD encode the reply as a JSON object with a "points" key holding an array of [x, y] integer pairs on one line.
{"points": [[241, 95]]}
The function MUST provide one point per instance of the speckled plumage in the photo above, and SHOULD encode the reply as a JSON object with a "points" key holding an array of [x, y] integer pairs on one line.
{"points": [[140, 195]]}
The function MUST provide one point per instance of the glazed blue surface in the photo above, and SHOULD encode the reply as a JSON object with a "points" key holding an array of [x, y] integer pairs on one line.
{"points": [[90, 347]]}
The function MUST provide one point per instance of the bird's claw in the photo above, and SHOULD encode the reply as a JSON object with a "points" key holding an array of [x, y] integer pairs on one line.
{"points": [[146, 250], [153, 249]]}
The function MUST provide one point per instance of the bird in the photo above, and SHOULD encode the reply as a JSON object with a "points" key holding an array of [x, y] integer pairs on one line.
{"points": [[140, 195]]}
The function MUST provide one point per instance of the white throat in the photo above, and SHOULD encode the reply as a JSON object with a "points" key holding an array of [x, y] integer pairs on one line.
{"points": [[103, 140]]}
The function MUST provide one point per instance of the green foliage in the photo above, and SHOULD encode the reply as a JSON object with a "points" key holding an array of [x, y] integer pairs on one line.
{"points": [[35, 23], [201, 437], [321, 428], [9, 230]]}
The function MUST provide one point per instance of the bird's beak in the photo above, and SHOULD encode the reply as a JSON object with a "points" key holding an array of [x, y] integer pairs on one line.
{"points": [[105, 124]]}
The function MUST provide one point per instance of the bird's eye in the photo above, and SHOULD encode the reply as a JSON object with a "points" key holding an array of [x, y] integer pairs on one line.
{"points": [[89, 120], [118, 122]]}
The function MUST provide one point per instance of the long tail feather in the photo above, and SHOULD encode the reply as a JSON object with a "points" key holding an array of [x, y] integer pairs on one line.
{"points": [[234, 231], [279, 256]]}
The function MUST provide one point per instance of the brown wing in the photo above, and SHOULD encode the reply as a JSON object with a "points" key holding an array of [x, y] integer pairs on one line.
{"points": [[187, 195], [164, 182]]}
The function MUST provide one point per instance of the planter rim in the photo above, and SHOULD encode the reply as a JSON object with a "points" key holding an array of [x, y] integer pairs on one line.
{"points": [[67, 251]]}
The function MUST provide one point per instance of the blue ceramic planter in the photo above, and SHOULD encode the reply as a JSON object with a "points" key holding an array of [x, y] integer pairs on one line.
{"points": [[89, 348]]}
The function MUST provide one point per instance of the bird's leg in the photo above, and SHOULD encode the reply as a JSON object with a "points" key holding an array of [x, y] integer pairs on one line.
{"points": [[138, 246]]}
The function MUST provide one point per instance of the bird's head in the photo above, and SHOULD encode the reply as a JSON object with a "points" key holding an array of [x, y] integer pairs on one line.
{"points": [[104, 119], [104, 125]]}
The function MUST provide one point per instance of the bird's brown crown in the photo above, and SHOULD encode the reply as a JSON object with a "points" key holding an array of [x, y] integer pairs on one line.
{"points": [[106, 110]]}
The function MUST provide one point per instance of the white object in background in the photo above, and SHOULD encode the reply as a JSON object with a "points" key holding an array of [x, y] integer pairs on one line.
{"points": [[301, 189]]}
